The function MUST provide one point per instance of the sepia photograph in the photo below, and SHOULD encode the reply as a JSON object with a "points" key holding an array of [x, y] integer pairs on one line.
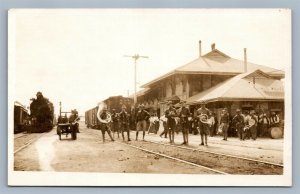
{"points": [[149, 97]]}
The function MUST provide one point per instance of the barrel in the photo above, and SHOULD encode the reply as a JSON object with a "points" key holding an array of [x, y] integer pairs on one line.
{"points": [[276, 132]]}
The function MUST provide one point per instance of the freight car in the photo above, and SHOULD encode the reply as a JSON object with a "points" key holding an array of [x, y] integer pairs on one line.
{"points": [[21, 117], [41, 114], [91, 120]]}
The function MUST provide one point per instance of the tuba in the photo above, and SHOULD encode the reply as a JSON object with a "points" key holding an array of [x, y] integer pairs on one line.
{"points": [[203, 118], [101, 107]]}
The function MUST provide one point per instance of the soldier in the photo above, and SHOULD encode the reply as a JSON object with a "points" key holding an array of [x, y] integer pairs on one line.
{"points": [[203, 112], [73, 120], [263, 123], [252, 122], [274, 120], [124, 122], [115, 122], [170, 114], [141, 118], [224, 121], [184, 115], [238, 122], [105, 118]]}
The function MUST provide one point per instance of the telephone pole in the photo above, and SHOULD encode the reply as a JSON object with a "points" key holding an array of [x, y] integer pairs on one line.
{"points": [[135, 58]]}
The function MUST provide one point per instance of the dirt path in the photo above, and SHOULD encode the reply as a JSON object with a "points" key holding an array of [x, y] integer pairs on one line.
{"points": [[89, 154]]}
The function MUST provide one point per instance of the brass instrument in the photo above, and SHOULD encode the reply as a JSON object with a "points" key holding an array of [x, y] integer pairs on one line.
{"points": [[100, 110], [203, 118]]}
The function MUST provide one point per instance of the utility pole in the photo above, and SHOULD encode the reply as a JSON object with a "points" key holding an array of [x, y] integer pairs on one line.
{"points": [[135, 58], [59, 109]]}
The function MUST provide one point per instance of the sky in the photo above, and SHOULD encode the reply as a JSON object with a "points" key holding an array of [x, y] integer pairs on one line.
{"points": [[76, 56]]}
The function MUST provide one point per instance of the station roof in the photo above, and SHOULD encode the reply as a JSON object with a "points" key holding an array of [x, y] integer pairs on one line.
{"points": [[254, 85], [216, 62]]}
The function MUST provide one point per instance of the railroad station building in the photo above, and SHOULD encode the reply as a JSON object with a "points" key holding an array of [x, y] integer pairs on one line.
{"points": [[221, 81]]}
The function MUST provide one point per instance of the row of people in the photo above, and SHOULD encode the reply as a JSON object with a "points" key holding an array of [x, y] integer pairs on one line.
{"points": [[204, 121]]}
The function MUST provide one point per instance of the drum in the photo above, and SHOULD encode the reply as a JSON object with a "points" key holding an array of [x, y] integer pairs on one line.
{"points": [[276, 132]]}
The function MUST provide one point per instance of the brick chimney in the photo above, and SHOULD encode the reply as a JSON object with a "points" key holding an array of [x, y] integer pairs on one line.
{"points": [[213, 46], [245, 60], [200, 49]]}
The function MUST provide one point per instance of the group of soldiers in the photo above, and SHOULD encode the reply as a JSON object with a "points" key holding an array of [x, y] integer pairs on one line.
{"points": [[204, 120]]}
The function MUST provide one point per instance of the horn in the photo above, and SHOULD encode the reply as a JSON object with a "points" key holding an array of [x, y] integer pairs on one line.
{"points": [[101, 106], [204, 118]]}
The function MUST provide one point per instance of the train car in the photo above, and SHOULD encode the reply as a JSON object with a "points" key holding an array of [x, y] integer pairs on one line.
{"points": [[21, 117], [116, 102], [91, 120], [41, 114]]}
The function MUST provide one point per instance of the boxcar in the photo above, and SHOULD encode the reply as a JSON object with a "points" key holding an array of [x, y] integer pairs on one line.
{"points": [[21, 117]]}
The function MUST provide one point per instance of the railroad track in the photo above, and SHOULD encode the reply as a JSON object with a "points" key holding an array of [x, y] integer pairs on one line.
{"points": [[22, 135], [220, 154], [224, 163], [174, 158], [28, 142]]}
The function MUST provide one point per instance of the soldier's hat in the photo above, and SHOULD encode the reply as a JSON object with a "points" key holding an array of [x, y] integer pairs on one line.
{"points": [[238, 110], [74, 111], [252, 112], [141, 106]]}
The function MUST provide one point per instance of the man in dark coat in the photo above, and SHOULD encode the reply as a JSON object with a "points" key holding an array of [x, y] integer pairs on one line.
{"points": [[183, 115], [170, 114], [203, 127], [141, 118], [124, 123], [115, 122], [238, 122]]}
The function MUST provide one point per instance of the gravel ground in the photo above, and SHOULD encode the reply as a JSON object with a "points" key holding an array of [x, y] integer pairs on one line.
{"points": [[89, 154]]}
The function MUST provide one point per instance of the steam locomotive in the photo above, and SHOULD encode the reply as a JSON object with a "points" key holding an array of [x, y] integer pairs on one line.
{"points": [[41, 114]]}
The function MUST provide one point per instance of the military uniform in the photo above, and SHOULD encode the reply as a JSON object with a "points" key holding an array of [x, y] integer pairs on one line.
{"points": [[115, 123], [170, 114], [203, 127], [124, 123], [224, 122], [141, 118], [238, 121], [72, 119], [184, 115], [105, 127], [252, 122]]}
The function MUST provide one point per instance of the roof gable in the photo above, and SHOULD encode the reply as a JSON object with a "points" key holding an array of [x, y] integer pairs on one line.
{"points": [[243, 87], [216, 53]]}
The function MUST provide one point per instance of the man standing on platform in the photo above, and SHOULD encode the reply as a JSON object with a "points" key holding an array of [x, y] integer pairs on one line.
{"points": [[141, 118], [224, 122], [202, 114], [105, 118], [238, 121], [124, 122], [184, 114], [170, 114], [115, 122]]}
